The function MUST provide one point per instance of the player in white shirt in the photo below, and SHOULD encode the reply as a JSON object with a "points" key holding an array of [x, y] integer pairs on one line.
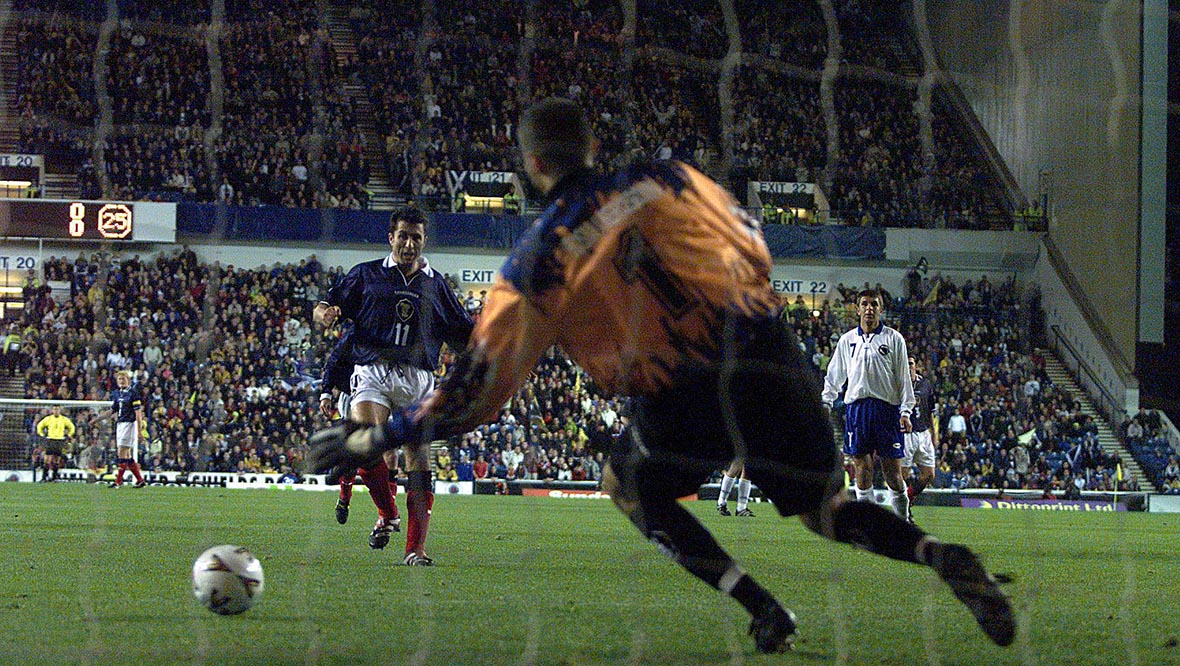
{"points": [[872, 360]]}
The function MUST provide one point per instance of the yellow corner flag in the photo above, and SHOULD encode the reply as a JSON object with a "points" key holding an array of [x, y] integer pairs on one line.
{"points": [[1118, 472]]}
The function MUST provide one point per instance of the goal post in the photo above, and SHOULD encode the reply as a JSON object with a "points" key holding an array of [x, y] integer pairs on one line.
{"points": [[21, 446]]}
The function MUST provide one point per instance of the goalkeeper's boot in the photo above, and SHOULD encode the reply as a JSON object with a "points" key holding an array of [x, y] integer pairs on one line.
{"points": [[977, 589], [745, 513], [773, 629], [723, 510]]}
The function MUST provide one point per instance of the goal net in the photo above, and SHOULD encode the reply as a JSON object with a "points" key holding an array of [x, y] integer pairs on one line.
{"points": [[22, 448]]}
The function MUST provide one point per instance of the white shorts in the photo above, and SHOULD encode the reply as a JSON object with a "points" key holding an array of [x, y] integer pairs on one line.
{"points": [[919, 450], [127, 436], [391, 385]]}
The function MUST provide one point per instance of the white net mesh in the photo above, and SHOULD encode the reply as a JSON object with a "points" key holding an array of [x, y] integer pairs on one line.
{"points": [[338, 105]]}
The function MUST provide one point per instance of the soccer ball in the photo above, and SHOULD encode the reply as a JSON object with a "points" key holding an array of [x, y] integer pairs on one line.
{"points": [[227, 579]]}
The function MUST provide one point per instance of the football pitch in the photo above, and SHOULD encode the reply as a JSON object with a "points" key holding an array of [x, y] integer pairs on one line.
{"points": [[91, 575]]}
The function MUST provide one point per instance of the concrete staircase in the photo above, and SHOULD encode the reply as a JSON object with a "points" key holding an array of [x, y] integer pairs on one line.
{"points": [[12, 388], [53, 185], [345, 45], [1060, 375], [9, 133]]}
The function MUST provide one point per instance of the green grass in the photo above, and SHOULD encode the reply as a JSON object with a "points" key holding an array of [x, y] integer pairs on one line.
{"points": [[94, 575]]}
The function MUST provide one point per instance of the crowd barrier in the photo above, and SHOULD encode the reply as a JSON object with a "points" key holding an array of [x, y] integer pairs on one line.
{"points": [[493, 232]]}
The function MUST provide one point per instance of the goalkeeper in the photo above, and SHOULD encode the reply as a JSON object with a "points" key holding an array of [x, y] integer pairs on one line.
{"points": [[657, 284], [58, 431]]}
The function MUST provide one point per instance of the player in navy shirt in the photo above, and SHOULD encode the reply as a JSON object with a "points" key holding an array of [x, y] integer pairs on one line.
{"points": [[336, 376], [921, 443], [337, 373], [127, 406], [403, 312]]}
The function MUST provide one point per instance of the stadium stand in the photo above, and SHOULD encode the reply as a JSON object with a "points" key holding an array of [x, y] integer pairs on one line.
{"points": [[444, 90], [278, 72], [206, 382], [55, 63]]}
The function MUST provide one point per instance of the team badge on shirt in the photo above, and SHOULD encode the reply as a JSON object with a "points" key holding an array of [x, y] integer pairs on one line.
{"points": [[884, 350], [404, 309]]}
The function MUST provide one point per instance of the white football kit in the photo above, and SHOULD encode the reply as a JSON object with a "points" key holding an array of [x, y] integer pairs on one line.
{"points": [[875, 364]]}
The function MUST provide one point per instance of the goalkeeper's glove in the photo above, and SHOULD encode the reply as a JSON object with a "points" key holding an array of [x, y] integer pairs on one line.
{"points": [[345, 445]]}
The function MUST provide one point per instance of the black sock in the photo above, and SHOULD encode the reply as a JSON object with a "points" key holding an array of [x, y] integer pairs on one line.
{"points": [[680, 536], [877, 530], [418, 482], [752, 596]]}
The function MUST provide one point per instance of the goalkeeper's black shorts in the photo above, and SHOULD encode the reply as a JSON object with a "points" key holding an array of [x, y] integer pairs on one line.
{"points": [[763, 405]]}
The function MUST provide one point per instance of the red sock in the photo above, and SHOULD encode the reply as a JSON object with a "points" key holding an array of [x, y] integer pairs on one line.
{"points": [[346, 487], [376, 479], [909, 491], [119, 474], [135, 471], [393, 492], [419, 502]]}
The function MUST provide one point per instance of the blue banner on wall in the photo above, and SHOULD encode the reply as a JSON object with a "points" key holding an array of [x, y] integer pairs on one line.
{"points": [[253, 223], [859, 243], [492, 232], [495, 232]]}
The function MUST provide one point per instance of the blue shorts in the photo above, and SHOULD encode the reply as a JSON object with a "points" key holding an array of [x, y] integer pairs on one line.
{"points": [[873, 426]]}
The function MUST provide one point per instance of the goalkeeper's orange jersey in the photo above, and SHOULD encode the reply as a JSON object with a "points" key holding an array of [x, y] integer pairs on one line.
{"points": [[633, 275]]}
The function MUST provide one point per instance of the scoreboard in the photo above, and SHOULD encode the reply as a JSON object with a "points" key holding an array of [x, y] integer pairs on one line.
{"points": [[65, 220]]}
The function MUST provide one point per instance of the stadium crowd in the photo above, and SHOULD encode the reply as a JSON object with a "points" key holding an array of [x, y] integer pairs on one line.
{"points": [[214, 399], [1145, 437], [286, 134], [229, 365], [446, 88]]}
